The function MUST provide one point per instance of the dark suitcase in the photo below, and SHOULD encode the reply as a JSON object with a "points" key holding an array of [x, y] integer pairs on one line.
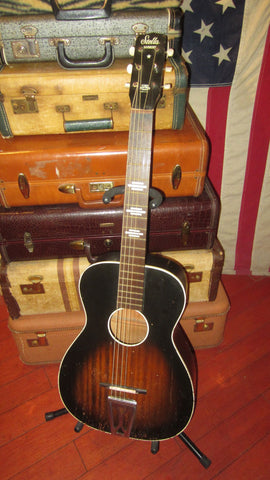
{"points": [[81, 39], [39, 232], [79, 168]]}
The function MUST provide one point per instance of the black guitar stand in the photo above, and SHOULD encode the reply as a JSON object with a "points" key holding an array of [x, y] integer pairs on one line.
{"points": [[203, 459], [155, 201]]}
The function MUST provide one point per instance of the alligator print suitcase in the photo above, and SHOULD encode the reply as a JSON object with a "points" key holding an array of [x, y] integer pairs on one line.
{"points": [[57, 231], [45, 338], [44, 99], [49, 286], [84, 39], [79, 168]]}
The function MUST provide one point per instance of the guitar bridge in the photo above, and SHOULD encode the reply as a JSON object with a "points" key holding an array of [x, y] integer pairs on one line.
{"points": [[121, 415]]}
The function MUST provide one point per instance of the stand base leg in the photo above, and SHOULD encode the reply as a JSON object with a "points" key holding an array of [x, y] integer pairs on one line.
{"points": [[58, 413], [203, 459]]}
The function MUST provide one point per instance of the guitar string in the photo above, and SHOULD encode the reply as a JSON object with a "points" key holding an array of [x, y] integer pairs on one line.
{"points": [[142, 166], [123, 276], [124, 325], [116, 379], [136, 169]]}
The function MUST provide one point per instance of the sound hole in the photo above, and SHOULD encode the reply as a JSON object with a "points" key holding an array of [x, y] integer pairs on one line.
{"points": [[128, 326]]}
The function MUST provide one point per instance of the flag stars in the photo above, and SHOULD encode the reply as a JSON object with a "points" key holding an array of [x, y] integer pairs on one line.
{"points": [[186, 56], [226, 4], [204, 30], [222, 55], [186, 6]]}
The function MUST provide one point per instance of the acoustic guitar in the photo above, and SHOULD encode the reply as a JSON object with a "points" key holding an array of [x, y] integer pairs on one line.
{"points": [[131, 370]]}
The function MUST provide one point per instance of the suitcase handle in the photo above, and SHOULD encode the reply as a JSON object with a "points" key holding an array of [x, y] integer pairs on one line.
{"points": [[81, 14], [76, 190], [88, 125], [68, 63]]}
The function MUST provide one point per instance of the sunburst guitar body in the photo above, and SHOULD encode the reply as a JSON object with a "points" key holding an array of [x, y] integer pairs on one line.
{"points": [[131, 371]]}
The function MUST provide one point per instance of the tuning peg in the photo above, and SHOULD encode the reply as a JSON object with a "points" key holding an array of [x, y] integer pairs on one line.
{"points": [[129, 68], [132, 51], [167, 86], [170, 52]]}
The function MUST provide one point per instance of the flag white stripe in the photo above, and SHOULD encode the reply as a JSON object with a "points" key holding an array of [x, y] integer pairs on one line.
{"points": [[260, 263], [198, 101], [240, 110]]}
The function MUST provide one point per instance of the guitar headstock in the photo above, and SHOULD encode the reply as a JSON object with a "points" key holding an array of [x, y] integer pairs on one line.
{"points": [[147, 71]]}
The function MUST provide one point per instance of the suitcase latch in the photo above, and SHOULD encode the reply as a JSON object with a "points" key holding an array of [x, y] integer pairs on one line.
{"points": [[39, 341], [140, 28], [202, 326], [27, 104], [176, 176], [28, 242], [33, 288], [28, 47], [185, 232]]}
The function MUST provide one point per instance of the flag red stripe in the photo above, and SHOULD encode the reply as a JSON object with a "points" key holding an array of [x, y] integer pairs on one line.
{"points": [[255, 167], [216, 117]]}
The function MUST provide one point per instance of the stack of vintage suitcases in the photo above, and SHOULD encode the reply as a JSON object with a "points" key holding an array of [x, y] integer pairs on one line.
{"points": [[64, 120]]}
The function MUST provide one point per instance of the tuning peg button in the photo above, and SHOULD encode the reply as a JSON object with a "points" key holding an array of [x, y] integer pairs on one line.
{"points": [[132, 51], [170, 52], [167, 86], [129, 68]]}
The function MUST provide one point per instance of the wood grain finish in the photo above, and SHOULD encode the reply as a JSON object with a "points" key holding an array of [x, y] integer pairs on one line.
{"points": [[164, 382], [230, 425]]}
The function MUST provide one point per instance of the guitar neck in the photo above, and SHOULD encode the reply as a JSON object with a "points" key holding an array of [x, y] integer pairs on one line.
{"points": [[135, 211]]}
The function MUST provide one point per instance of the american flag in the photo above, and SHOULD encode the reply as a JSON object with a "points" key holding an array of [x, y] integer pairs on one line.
{"points": [[226, 48]]}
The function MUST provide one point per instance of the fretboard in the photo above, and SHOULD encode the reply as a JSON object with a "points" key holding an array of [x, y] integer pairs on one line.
{"points": [[135, 211]]}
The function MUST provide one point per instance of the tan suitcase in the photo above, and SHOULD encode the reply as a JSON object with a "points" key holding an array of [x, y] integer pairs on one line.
{"points": [[42, 98], [49, 286], [45, 338]]}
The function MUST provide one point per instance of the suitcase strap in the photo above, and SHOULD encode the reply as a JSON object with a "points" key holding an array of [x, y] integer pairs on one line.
{"points": [[5, 129], [181, 78], [10, 301]]}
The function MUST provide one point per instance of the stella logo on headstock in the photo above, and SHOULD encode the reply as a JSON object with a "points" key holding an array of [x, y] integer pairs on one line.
{"points": [[150, 41]]}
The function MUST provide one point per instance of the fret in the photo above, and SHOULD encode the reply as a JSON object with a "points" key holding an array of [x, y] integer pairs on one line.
{"points": [[130, 274], [135, 211]]}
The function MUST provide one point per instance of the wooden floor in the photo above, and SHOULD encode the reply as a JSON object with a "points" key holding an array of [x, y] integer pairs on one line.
{"points": [[231, 424]]}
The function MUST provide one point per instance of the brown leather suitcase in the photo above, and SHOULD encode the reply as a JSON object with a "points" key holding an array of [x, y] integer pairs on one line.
{"points": [[38, 99], [49, 286], [41, 232], [44, 338], [79, 168]]}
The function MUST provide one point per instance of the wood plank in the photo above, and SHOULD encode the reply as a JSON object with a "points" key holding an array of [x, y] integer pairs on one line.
{"points": [[254, 463], [134, 461], [36, 445], [28, 415], [223, 445], [224, 399], [22, 389], [228, 362], [63, 464]]}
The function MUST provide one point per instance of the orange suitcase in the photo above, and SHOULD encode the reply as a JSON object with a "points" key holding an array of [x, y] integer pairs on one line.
{"points": [[79, 168]]}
